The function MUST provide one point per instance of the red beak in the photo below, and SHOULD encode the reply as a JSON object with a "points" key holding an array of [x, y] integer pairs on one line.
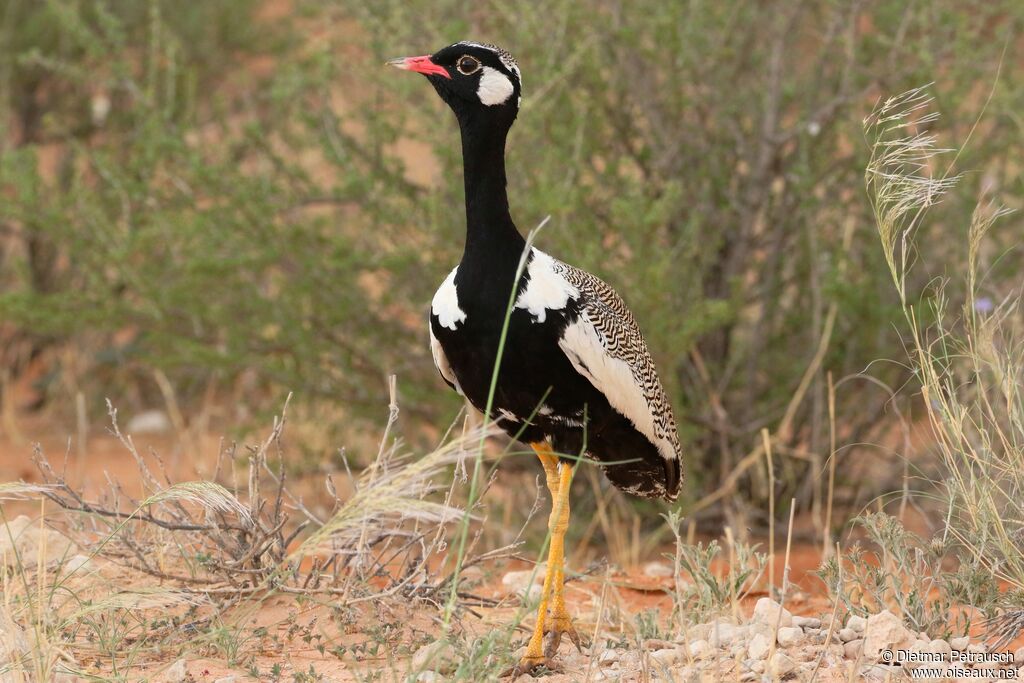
{"points": [[421, 65]]}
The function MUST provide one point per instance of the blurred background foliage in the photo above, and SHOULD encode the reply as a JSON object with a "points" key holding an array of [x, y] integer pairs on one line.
{"points": [[225, 201]]}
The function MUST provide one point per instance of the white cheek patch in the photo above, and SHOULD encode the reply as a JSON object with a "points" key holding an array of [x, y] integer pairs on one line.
{"points": [[494, 88]]}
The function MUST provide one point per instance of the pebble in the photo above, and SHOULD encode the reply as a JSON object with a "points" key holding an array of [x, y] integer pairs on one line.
{"points": [[526, 582], [77, 563], [429, 677], [757, 667], [767, 611], [806, 622], [653, 644], [229, 679], [852, 649], [880, 672], [30, 540], [960, 644], [939, 646], [758, 647], [658, 570], [439, 656], [789, 635], [723, 633], [782, 665], [699, 648], [149, 422], [666, 657], [885, 631], [847, 634], [176, 672], [608, 656], [1018, 655], [856, 623], [749, 676]]}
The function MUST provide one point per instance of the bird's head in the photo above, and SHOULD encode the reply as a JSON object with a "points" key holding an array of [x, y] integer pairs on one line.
{"points": [[475, 79]]}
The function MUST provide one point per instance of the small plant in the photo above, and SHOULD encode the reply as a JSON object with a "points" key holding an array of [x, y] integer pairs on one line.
{"points": [[711, 592], [905, 574]]}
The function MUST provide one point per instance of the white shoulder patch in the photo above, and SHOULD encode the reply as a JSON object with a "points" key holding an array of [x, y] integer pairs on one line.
{"points": [[583, 346], [494, 88], [446, 303], [546, 290]]}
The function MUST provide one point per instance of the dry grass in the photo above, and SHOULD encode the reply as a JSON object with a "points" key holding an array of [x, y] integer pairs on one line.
{"points": [[969, 360], [135, 578]]}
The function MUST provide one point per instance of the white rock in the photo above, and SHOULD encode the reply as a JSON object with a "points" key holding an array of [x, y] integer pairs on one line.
{"points": [[790, 635], [766, 612], [852, 649], [14, 643], [856, 623], [666, 657], [78, 563], [429, 677], [518, 580], [527, 584], [880, 672], [658, 570], [748, 676], [699, 648], [758, 647], [437, 656], [941, 647], [960, 644], [806, 622], [608, 656], [977, 648], [724, 633], [176, 672], [30, 540], [757, 666], [149, 422], [226, 679], [1018, 655], [885, 631], [782, 665], [847, 634]]}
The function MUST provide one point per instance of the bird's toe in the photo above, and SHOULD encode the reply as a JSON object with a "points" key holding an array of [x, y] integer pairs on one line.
{"points": [[556, 627], [532, 666]]}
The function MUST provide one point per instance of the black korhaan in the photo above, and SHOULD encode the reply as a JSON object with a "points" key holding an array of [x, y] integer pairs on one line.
{"points": [[575, 372]]}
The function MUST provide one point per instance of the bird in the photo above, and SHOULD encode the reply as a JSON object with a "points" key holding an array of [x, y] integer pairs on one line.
{"points": [[576, 379]]}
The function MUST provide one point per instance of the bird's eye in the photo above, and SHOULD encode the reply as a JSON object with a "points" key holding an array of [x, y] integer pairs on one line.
{"points": [[467, 65]]}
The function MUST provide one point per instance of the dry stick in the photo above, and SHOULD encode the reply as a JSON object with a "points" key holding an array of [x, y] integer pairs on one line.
{"points": [[785, 583], [767, 444], [827, 531], [731, 540]]}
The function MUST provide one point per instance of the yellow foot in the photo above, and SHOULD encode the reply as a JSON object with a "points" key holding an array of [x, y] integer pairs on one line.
{"points": [[531, 665], [555, 627]]}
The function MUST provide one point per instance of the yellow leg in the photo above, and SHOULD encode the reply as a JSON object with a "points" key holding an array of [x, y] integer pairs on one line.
{"points": [[559, 479]]}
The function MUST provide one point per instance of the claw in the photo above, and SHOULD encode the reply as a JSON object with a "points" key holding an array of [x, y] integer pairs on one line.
{"points": [[554, 633], [531, 665]]}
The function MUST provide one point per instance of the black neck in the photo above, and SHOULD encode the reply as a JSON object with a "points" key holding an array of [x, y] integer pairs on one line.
{"points": [[491, 236]]}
